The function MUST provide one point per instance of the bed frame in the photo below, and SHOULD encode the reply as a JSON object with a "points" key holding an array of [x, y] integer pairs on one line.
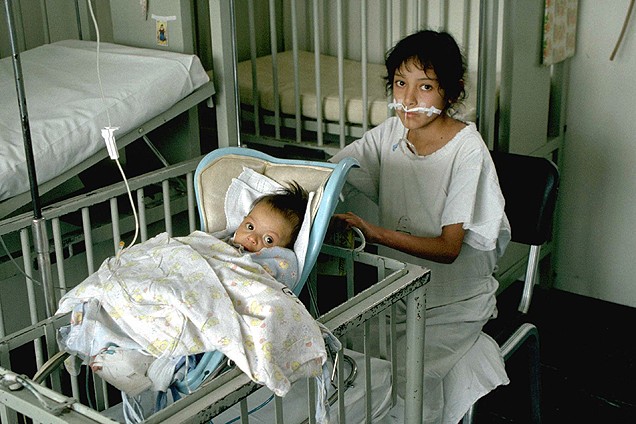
{"points": [[170, 148], [97, 235]]}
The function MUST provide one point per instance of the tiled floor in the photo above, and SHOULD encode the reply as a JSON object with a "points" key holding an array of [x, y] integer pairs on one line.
{"points": [[588, 362]]}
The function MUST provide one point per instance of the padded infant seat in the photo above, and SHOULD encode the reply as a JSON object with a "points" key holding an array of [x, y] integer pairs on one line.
{"points": [[216, 171], [214, 176]]}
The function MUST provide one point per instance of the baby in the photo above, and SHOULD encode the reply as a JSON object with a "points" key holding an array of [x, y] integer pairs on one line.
{"points": [[274, 222]]}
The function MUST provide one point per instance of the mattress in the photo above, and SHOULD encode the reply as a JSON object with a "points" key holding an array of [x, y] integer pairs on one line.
{"points": [[65, 107], [376, 95]]}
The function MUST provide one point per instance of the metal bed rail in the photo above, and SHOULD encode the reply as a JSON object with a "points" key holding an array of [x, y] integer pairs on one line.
{"points": [[326, 27], [87, 229], [49, 404]]}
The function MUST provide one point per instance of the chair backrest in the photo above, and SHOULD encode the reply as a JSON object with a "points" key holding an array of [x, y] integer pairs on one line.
{"points": [[529, 185], [217, 169]]}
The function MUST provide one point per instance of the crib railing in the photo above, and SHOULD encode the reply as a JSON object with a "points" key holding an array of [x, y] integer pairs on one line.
{"points": [[53, 402], [84, 231], [361, 31]]}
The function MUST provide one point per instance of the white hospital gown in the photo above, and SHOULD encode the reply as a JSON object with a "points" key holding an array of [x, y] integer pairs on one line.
{"points": [[419, 195]]}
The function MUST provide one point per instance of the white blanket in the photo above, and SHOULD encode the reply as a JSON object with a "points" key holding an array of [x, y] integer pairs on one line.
{"points": [[181, 296], [65, 107]]}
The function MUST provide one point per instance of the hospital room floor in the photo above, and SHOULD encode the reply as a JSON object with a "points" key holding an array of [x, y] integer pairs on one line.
{"points": [[588, 362]]}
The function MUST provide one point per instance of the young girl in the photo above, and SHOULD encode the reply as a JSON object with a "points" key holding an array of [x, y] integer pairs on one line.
{"points": [[439, 206]]}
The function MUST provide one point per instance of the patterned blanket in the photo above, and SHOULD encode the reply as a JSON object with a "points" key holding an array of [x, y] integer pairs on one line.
{"points": [[174, 297]]}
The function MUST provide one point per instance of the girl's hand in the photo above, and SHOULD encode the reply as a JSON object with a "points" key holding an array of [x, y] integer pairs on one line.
{"points": [[370, 231]]}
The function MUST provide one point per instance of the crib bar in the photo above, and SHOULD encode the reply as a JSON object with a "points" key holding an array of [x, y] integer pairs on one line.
{"points": [[255, 90], [192, 222], [88, 240], [367, 368], [114, 218], [443, 15], [415, 313], [365, 61], [141, 212], [311, 406], [381, 274], [165, 188], [52, 348], [59, 255], [244, 412], [274, 51], [45, 22], [342, 413], [414, 21], [393, 335], [341, 99], [317, 49], [28, 272], [486, 73], [466, 28], [3, 330], [297, 109], [278, 405], [388, 12], [223, 30]]}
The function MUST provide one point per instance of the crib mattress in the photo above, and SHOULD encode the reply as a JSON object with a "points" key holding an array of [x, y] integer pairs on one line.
{"points": [[65, 107], [376, 95]]}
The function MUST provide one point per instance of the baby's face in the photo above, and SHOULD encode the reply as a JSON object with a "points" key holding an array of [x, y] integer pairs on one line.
{"points": [[263, 227]]}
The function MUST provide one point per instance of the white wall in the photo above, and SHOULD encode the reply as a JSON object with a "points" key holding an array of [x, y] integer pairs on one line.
{"points": [[596, 239]]}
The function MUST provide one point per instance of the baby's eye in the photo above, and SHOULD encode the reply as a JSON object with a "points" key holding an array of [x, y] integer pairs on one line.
{"points": [[249, 226], [426, 87], [399, 83], [269, 240]]}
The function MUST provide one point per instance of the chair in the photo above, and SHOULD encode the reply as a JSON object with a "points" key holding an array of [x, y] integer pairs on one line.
{"points": [[529, 185], [212, 178]]}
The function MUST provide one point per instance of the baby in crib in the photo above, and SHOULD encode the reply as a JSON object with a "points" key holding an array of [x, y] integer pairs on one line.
{"points": [[269, 231], [266, 235]]}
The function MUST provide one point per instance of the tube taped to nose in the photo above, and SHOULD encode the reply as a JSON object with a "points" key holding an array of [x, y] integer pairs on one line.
{"points": [[429, 111]]}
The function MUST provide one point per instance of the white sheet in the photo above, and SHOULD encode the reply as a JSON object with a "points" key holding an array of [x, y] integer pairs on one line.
{"points": [[64, 105]]}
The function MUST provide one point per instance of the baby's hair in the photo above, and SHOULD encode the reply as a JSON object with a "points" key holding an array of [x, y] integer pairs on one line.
{"points": [[431, 50], [291, 202]]}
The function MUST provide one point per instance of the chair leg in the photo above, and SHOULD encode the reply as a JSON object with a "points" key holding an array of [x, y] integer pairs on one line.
{"points": [[535, 380], [528, 332], [525, 332]]}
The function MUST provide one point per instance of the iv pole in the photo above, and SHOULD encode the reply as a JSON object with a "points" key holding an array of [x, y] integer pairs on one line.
{"points": [[38, 226]]}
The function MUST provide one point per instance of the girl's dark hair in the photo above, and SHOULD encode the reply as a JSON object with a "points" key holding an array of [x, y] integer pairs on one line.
{"points": [[291, 202], [431, 50]]}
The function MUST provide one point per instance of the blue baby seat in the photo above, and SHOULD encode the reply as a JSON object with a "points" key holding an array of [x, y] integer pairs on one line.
{"points": [[213, 177]]}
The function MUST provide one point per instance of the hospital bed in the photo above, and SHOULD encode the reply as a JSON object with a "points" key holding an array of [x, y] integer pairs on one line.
{"points": [[66, 398], [73, 88]]}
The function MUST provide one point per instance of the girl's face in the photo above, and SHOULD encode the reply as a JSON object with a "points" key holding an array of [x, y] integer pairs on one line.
{"points": [[415, 87], [263, 227]]}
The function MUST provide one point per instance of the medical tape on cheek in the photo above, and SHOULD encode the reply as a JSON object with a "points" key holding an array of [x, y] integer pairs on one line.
{"points": [[429, 111]]}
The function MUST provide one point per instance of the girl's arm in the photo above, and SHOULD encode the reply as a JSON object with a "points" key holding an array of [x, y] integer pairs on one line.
{"points": [[443, 249]]}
